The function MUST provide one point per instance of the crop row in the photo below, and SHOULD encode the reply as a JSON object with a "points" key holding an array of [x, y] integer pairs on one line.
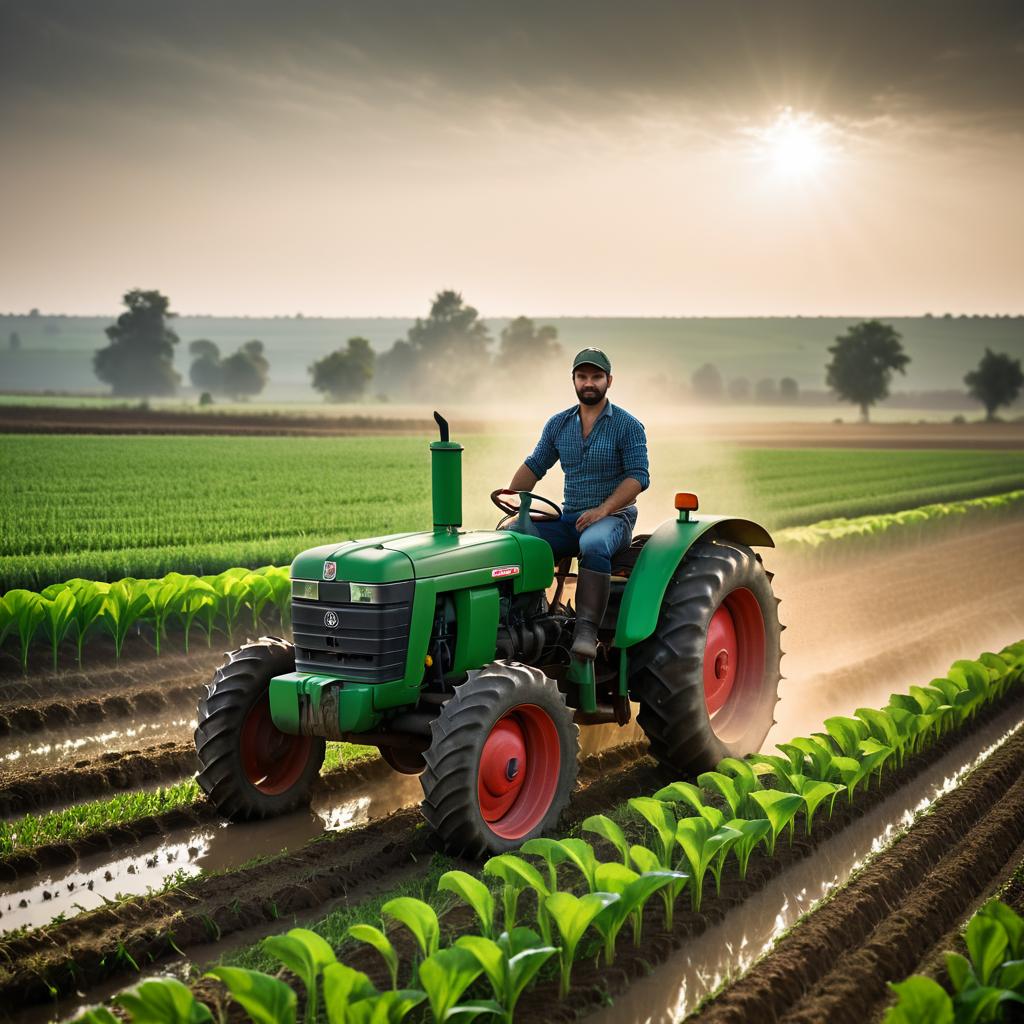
{"points": [[866, 531], [228, 501], [691, 831], [81, 608], [984, 984]]}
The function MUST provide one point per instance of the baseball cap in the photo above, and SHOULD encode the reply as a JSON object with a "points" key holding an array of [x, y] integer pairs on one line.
{"points": [[593, 357]]}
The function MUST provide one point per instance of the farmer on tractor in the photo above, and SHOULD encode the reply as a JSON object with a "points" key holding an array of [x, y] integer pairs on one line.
{"points": [[603, 453]]}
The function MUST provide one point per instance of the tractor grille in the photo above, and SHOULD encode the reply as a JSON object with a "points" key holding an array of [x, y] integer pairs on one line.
{"points": [[363, 642]]}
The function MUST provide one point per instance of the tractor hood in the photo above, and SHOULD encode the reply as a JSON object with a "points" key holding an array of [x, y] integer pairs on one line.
{"points": [[409, 556]]}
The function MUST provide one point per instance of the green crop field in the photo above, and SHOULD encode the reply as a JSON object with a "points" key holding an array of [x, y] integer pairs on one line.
{"points": [[107, 507]]}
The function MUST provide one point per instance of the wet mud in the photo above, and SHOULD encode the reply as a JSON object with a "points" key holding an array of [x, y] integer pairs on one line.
{"points": [[32, 790], [76, 953], [835, 965]]}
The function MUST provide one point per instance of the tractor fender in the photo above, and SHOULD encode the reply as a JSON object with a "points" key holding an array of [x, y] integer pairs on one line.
{"points": [[660, 557]]}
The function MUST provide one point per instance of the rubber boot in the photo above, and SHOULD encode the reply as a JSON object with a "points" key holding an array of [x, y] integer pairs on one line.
{"points": [[591, 601]]}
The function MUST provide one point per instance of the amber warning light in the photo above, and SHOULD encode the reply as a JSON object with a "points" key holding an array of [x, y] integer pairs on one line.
{"points": [[686, 503]]}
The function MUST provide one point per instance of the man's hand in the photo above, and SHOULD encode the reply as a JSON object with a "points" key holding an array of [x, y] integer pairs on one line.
{"points": [[591, 516]]}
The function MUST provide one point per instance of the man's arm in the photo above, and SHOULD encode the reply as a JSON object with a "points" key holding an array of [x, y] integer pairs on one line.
{"points": [[524, 480], [624, 494]]}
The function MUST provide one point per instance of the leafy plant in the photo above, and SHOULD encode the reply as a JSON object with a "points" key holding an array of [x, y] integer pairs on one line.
{"points": [[702, 843], [419, 917], [373, 936], [162, 1001], [779, 809], [604, 827], [660, 817], [510, 963], [445, 975], [472, 892], [267, 1000], [305, 954], [572, 916], [518, 875], [647, 862], [633, 890]]}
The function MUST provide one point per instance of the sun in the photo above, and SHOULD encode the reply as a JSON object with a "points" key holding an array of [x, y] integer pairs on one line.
{"points": [[795, 145]]}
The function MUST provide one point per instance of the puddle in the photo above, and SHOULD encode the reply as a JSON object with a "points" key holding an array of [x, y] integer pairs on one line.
{"points": [[729, 948], [66, 746]]}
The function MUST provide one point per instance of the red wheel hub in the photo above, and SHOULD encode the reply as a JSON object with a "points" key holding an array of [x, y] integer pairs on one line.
{"points": [[734, 652], [518, 774], [273, 761]]}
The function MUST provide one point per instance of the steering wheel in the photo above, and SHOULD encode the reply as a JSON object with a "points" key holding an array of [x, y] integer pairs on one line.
{"points": [[537, 515]]}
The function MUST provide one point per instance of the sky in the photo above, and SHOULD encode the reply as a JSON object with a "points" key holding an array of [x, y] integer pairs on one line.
{"points": [[681, 158]]}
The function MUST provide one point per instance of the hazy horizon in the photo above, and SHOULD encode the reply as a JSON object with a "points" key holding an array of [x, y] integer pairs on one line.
{"points": [[724, 159]]}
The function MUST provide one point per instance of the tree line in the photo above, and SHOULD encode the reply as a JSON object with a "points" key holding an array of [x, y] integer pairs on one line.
{"points": [[451, 351]]}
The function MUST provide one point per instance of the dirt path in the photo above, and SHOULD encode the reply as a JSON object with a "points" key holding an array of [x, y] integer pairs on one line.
{"points": [[859, 632]]}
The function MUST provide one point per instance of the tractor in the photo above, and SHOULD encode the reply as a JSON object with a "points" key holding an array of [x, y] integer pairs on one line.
{"points": [[449, 650]]}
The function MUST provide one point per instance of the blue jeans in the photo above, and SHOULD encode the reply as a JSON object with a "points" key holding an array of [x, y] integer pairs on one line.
{"points": [[597, 545]]}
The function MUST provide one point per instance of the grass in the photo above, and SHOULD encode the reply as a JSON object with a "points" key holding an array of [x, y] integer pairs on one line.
{"points": [[70, 505], [72, 823]]}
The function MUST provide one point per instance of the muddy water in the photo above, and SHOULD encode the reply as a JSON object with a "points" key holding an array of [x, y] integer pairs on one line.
{"points": [[730, 947], [151, 864], [56, 747]]}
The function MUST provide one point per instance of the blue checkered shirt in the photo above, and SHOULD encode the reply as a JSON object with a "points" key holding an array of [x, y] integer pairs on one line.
{"points": [[615, 449]]}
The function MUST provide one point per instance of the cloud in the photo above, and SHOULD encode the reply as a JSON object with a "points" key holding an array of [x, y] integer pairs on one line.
{"points": [[918, 58]]}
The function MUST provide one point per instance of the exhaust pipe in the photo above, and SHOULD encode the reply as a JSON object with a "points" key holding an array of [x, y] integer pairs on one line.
{"points": [[446, 480]]}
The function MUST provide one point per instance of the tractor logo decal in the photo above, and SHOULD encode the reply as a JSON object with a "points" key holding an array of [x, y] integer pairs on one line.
{"points": [[505, 570], [331, 619], [330, 570]]}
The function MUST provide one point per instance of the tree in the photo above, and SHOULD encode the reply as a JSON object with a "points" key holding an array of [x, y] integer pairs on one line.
{"points": [[140, 357], [343, 374], [205, 373], [766, 390], [246, 371], [446, 351], [14, 341], [789, 390], [863, 361], [528, 345], [707, 381], [739, 389], [997, 381]]}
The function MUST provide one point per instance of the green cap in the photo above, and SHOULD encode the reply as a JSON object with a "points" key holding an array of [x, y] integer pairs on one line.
{"points": [[593, 357]]}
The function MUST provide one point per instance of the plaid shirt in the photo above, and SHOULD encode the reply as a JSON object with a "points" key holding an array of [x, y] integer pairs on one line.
{"points": [[615, 449]]}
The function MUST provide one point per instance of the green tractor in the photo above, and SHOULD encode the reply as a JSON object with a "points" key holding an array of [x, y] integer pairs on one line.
{"points": [[449, 651]]}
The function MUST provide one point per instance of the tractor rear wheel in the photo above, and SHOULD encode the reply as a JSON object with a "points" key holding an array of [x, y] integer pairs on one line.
{"points": [[501, 765], [707, 680], [249, 768]]}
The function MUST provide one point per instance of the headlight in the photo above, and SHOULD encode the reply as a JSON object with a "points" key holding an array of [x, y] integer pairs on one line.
{"points": [[307, 590], [363, 593]]}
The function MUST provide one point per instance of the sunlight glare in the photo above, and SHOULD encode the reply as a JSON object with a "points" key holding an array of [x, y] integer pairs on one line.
{"points": [[796, 145]]}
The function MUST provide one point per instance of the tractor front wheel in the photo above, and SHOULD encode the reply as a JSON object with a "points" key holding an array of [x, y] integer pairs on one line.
{"points": [[248, 767], [707, 680], [501, 765]]}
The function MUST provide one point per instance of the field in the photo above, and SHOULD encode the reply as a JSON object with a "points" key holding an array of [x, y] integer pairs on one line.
{"points": [[902, 822], [152, 505]]}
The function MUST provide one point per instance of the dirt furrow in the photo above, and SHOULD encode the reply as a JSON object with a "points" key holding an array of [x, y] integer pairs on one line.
{"points": [[84, 950], [23, 791], [834, 965]]}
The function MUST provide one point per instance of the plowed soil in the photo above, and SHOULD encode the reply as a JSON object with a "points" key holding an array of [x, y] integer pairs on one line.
{"points": [[31, 790], [93, 946], [835, 965]]}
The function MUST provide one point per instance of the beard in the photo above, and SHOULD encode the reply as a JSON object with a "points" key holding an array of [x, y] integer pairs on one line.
{"points": [[590, 395]]}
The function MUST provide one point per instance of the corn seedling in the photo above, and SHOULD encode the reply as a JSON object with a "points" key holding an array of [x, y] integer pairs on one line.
{"points": [[419, 917], [445, 976], [267, 1000], [660, 817], [572, 916], [604, 827], [647, 862], [518, 875], [510, 963], [780, 810], [474, 893], [374, 937], [305, 954], [633, 890], [701, 844]]}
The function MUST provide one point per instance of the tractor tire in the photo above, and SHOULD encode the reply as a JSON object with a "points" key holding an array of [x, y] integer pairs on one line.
{"points": [[501, 765], [248, 767], [707, 680]]}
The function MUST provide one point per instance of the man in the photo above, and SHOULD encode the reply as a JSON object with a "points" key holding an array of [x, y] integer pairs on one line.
{"points": [[603, 452]]}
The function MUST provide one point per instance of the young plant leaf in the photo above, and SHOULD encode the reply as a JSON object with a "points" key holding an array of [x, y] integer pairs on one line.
{"points": [[374, 937], [419, 918], [445, 976], [573, 915], [267, 1000], [162, 1001], [473, 892], [604, 827], [779, 809], [306, 954], [660, 817]]}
